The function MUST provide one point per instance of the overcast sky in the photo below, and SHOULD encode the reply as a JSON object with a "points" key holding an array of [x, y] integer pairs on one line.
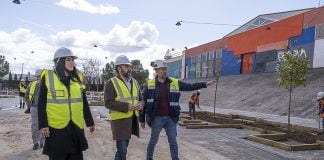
{"points": [[141, 29]]}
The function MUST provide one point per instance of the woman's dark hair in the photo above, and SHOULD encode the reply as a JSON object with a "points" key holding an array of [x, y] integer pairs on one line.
{"points": [[61, 72]]}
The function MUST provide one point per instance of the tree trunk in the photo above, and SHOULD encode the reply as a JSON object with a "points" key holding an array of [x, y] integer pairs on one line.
{"points": [[217, 78], [290, 92]]}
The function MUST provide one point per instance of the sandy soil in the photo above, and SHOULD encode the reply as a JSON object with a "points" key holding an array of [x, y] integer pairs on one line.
{"points": [[16, 142]]}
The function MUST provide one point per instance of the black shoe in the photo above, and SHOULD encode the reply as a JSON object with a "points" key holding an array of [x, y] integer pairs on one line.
{"points": [[41, 145], [149, 158], [27, 111], [35, 147]]}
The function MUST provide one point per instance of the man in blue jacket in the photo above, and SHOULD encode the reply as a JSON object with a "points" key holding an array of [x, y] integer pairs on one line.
{"points": [[161, 109]]}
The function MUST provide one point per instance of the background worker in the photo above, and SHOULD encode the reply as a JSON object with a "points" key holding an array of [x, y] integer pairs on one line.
{"points": [[193, 102], [33, 87], [320, 99], [63, 108], [22, 91]]}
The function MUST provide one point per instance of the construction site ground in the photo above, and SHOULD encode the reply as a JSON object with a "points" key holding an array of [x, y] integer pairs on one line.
{"points": [[260, 93], [194, 144]]}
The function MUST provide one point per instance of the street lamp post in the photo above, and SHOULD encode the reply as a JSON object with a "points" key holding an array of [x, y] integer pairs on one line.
{"points": [[22, 68], [217, 79], [16, 1]]}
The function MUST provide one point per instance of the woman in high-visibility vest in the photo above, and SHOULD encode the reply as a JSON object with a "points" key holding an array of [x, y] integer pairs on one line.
{"points": [[31, 91], [63, 108]]}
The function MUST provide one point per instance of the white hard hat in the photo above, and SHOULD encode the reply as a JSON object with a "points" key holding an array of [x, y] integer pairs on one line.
{"points": [[122, 59], [320, 95], [159, 64], [64, 52], [38, 72]]}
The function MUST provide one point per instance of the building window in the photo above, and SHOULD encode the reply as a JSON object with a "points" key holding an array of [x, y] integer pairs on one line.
{"points": [[192, 61], [211, 56], [320, 31], [198, 59], [219, 54], [204, 58]]}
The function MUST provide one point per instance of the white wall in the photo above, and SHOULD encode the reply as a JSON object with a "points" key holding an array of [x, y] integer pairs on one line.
{"points": [[183, 65], [318, 60]]}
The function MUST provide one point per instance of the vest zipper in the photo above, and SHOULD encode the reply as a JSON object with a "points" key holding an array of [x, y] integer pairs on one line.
{"points": [[69, 101]]}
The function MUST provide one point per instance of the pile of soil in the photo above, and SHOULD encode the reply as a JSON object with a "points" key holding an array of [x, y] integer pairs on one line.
{"points": [[209, 117], [306, 137]]}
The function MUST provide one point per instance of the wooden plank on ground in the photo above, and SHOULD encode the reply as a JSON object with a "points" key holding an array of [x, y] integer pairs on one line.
{"points": [[192, 121], [213, 126]]}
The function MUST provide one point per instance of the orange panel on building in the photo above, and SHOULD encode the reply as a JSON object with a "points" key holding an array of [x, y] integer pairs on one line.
{"points": [[205, 48], [247, 63], [247, 42], [272, 46], [314, 17]]}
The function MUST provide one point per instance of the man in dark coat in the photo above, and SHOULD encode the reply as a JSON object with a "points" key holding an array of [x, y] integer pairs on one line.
{"points": [[123, 113]]}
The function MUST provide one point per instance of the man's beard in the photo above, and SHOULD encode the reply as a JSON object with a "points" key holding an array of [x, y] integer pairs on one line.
{"points": [[126, 74], [163, 76]]}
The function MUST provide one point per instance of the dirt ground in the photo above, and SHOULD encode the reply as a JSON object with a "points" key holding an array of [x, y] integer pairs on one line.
{"points": [[299, 136], [260, 93], [16, 142]]}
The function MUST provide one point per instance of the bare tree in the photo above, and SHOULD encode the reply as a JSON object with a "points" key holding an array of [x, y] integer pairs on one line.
{"points": [[91, 71]]}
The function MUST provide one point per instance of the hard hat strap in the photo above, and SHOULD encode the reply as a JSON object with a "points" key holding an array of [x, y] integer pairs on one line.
{"points": [[58, 59]]}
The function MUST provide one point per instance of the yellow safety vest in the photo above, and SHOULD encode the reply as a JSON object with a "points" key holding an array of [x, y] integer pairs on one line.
{"points": [[32, 87], [62, 107], [174, 91], [22, 88], [124, 95]]}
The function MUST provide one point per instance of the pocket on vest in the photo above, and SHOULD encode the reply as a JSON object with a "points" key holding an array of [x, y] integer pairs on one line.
{"points": [[59, 93]]}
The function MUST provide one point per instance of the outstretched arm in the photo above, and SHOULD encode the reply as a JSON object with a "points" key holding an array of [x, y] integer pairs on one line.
{"points": [[191, 86]]}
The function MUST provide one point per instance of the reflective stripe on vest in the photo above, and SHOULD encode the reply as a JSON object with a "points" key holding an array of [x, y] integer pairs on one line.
{"points": [[174, 88], [32, 87], [174, 103], [61, 106], [124, 95]]}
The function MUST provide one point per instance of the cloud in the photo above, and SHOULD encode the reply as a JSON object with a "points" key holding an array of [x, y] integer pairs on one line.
{"points": [[85, 6], [136, 37], [137, 41]]}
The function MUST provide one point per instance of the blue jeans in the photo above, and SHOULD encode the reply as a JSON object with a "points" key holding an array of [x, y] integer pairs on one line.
{"points": [[170, 128], [121, 149]]}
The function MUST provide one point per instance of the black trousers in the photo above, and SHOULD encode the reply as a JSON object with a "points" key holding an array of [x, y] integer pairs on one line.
{"points": [[73, 156], [323, 124], [192, 111]]}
